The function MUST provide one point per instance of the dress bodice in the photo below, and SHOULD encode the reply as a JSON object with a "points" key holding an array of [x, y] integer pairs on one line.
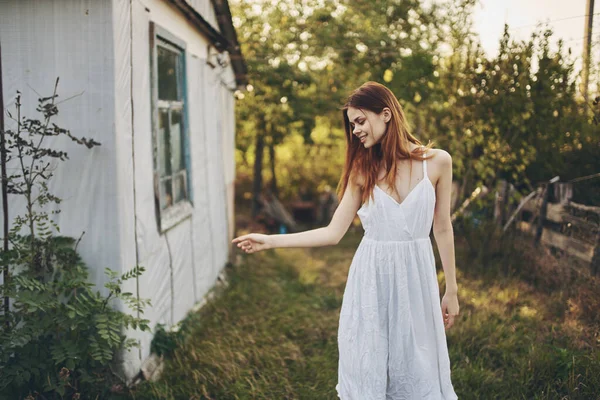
{"points": [[384, 219]]}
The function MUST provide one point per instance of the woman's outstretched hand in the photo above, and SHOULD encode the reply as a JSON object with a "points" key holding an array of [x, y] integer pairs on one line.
{"points": [[253, 242]]}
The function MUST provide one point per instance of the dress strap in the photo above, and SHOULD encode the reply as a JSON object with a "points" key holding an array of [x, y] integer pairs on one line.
{"points": [[425, 176]]}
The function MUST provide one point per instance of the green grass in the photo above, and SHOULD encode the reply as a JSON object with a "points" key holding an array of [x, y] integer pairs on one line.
{"points": [[271, 334]]}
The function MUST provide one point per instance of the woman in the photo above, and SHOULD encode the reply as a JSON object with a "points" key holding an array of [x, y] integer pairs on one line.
{"points": [[391, 337]]}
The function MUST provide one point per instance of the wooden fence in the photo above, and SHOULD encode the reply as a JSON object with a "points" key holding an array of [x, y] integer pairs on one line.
{"points": [[553, 219]]}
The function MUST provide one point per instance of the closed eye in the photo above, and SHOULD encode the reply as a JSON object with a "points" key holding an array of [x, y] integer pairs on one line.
{"points": [[360, 122]]}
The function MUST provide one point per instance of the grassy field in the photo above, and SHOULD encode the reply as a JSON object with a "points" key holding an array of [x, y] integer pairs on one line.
{"points": [[528, 329]]}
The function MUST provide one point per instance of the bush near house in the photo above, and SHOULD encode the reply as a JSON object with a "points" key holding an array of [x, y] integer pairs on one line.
{"points": [[58, 335]]}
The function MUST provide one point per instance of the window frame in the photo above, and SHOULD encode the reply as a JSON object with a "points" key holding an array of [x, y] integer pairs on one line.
{"points": [[177, 212]]}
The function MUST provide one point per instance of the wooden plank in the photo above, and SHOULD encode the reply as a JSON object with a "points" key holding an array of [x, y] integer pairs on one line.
{"points": [[580, 223], [539, 229], [572, 246], [554, 212], [584, 207], [558, 213]]}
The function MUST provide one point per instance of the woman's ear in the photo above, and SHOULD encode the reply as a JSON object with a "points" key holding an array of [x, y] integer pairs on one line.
{"points": [[387, 114]]}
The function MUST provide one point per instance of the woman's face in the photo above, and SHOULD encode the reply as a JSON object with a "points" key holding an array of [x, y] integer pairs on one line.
{"points": [[367, 126]]}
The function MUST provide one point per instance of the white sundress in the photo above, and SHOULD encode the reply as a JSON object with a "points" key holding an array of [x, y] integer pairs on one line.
{"points": [[391, 338]]}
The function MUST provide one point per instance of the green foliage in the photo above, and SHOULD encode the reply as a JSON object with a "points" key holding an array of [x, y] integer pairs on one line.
{"points": [[165, 342], [303, 59], [59, 336], [25, 147], [63, 334], [516, 116]]}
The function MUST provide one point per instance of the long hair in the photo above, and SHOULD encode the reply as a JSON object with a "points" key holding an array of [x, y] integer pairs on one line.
{"points": [[393, 146]]}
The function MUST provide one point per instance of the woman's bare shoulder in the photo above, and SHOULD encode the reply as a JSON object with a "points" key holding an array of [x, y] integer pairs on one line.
{"points": [[439, 157], [440, 163]]}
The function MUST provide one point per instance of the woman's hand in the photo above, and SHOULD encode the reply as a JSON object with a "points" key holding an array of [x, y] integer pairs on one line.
{"points": [[253, 242], [449, 309]]}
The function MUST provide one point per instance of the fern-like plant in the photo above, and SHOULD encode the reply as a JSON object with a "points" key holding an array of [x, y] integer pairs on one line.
{"points": [[59, 335]]}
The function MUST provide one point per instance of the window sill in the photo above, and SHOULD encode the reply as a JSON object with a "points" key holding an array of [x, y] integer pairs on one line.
{"points": [[173, 215]]}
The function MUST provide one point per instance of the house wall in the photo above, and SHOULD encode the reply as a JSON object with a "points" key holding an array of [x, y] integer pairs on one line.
{"points": [[72, 40], [101, 51], [182, 264]]}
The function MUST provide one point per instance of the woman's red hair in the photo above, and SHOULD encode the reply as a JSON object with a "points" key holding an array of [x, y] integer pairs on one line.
{"points": [[393, 146]]}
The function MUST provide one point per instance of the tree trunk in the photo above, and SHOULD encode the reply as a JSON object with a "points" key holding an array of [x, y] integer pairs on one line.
{"points": [[499, 202], [542, 217], [272, 160], [505, 203], [258, 165]]}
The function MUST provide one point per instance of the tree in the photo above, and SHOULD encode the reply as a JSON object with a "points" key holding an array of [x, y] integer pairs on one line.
{"points": [[304, 58]]}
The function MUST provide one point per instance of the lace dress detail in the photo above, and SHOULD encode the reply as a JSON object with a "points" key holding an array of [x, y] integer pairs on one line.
{"points": [[391, 338]]}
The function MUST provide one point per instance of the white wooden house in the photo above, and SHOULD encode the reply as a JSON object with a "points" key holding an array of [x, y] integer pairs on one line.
{"points": [[153, 81]]}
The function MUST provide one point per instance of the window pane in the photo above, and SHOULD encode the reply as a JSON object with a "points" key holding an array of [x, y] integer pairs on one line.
{"points": [[180, 189], [166, 193], [168, 67], [177, 141], [164, 143]]}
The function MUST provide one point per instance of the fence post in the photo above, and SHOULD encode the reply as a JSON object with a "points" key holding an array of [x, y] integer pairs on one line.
{"points": [[544, 210], [595, 264], [500, 201], [505, 203], [542, 216]]}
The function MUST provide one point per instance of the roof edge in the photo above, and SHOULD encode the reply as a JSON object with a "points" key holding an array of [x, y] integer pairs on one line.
{"points": [[215, 37], [225, 21]]}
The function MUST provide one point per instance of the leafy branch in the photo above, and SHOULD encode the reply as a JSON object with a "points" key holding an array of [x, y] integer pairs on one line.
{"points": [[60, 335]]}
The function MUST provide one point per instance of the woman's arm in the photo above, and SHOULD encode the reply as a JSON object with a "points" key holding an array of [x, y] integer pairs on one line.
{"points": [[442, 223], [326, 236], [444, 234]]}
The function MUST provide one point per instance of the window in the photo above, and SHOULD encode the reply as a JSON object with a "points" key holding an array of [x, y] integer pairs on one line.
{"points": [[170, 129]]}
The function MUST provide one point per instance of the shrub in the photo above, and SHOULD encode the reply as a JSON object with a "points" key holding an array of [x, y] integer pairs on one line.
{"points": [[63, 335], [59, 336]]}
